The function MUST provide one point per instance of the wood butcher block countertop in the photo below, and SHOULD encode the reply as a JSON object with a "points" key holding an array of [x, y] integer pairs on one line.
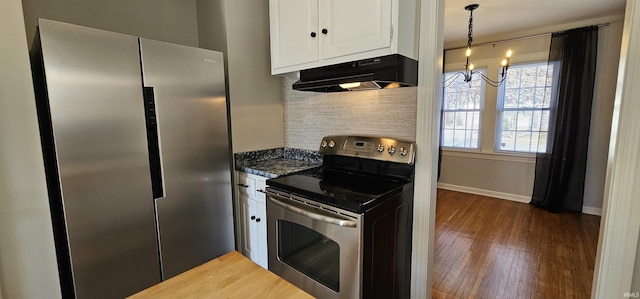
{"points": [[229, 276]]}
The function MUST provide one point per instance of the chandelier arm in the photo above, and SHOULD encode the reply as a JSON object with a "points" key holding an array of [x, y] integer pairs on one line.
{"points": [[451, 79], [491, 82]]}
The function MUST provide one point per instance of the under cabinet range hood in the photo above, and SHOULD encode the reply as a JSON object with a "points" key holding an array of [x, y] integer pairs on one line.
{"points": [[389, 71]]}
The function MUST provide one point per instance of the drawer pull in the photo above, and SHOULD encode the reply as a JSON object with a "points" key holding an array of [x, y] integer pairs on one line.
{"points": [[261, 191], [243, 185]]}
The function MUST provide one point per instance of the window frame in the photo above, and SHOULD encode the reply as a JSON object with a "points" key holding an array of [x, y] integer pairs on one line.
{"points": [[501, 90], [480, 111]]}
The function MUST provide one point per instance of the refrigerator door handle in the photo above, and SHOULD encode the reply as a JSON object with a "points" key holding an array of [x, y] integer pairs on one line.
{"points": [[152, 140]]}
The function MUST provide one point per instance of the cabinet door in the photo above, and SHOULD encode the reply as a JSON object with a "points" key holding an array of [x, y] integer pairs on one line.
{"points": [[294, 32], [353, 26], [247, 208], [261, 234]]}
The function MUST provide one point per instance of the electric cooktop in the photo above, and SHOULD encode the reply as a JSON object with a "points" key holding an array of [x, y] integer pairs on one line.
{"points": [[355, 192]]}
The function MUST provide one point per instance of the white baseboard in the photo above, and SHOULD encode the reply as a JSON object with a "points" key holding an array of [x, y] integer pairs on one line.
{"points": [[507, 196], [483, 192], [592, 211]]}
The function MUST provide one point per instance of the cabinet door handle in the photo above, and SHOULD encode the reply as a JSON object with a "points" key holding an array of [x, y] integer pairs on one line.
{"points": [[261, 191], [258, 220], [253, 218], [325, 31], [243, 185], [313, 34]]}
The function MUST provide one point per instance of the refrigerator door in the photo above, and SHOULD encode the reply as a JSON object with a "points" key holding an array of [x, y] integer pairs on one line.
{"points": [[94, 142], [195, 215]]}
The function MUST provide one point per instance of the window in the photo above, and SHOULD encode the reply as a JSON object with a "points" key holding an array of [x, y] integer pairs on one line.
{"points": [[461, 110], [523, 108]]}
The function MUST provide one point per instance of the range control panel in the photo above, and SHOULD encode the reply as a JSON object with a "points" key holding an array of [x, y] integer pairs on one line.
{"points": [[378, 148]]}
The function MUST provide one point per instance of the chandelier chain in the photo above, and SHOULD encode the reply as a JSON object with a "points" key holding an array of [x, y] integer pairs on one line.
{"points": [[470, 34]]}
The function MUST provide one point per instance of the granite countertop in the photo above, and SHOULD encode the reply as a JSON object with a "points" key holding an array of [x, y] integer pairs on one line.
{"points": [[273, 163]]}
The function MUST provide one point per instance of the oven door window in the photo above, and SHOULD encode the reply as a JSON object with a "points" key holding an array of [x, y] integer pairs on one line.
{"points": [[309, 252]]}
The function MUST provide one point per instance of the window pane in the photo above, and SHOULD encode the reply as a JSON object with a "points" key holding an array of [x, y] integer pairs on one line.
{"points": [[528, 76], [509, 120], [523, 108], [447, 120], [461, 111], [524, 120], [507, 140], [541, 75], [513, 78], [523, 141], [527, 97], [542, 142], [447, 137], [544, 126], [511, 98], [458, 138]]}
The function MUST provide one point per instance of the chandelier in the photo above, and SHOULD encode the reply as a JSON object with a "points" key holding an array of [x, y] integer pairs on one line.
{"points": [[469, 72]]}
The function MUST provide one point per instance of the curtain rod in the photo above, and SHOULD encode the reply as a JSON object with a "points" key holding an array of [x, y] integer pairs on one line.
{"points": [[520, 38]]}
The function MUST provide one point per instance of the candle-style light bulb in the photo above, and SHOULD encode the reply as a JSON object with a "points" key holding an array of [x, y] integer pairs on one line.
{"points": [[471, 66], [504, 62], [509, 53], [468, 51]]}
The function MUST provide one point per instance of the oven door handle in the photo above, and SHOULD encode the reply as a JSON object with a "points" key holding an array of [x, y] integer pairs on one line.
{"points": [[312, 215]]}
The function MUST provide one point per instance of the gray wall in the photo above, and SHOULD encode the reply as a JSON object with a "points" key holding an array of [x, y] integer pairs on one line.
{"points": [[166, 20], [240, 28], [27, 257], [309, 116], [514, 174]]}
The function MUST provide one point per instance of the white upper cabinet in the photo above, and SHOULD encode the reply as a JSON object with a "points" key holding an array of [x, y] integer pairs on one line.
{"points": [[294, 31], [312, 33], [352, 26]]}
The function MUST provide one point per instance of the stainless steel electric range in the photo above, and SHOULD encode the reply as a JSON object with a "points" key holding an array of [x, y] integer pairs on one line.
{"points": [[343, 230]]}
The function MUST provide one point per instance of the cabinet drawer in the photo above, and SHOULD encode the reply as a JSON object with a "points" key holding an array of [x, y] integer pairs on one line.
{"points": [[246, 184], [261, 188]]}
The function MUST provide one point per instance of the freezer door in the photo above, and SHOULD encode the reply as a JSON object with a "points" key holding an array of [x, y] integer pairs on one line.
{"points": [[195, 214], [94, 142]]}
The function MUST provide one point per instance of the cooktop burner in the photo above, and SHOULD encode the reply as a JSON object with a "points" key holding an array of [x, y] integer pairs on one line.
{"points": [[355, 192]]}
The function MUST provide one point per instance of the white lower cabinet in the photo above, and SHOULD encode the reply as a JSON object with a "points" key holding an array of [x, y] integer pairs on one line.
{"points": [[253, 216]]}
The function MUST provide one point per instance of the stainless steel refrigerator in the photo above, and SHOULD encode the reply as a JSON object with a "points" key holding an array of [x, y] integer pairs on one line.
{"points": [[135, 138]]}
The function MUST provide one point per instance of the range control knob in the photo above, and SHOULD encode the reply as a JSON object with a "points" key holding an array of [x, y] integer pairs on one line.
{"points": [[323, 144], [403, 151], [380, 148], [332, 143], [392, 149]]}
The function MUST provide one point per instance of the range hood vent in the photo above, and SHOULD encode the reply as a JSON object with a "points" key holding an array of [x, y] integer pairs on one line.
{"points": [[389, 71]]}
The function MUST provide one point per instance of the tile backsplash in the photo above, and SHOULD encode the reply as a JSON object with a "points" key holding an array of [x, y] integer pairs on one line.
{"points": [[309, 116]]}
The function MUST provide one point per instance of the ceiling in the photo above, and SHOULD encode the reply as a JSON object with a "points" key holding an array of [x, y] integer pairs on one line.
{"points": [[503, 16]]}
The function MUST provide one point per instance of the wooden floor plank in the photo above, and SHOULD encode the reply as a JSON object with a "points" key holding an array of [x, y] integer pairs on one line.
{"points": [[493, 248]]}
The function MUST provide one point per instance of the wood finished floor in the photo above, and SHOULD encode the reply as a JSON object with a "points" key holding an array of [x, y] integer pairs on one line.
{"points": [[493, 248]]}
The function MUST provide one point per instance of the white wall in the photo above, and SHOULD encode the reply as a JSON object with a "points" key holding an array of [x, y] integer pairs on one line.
{"points": [[309, 116], [27, 256], [165, 20], [255, 95], [511, 177]]}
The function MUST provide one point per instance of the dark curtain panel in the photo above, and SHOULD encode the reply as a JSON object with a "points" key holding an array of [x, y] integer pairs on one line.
{"points": [[560, 172]]}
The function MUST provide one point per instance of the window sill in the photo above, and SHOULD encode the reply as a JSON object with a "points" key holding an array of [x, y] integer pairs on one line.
{"points": [[496, 156]]}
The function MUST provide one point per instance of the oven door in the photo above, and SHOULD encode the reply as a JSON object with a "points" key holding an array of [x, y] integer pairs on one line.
{"points": [[315, 248]]}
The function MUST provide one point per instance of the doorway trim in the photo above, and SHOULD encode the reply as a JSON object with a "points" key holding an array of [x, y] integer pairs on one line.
{"points": [[620, 225], [427, 140]]}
